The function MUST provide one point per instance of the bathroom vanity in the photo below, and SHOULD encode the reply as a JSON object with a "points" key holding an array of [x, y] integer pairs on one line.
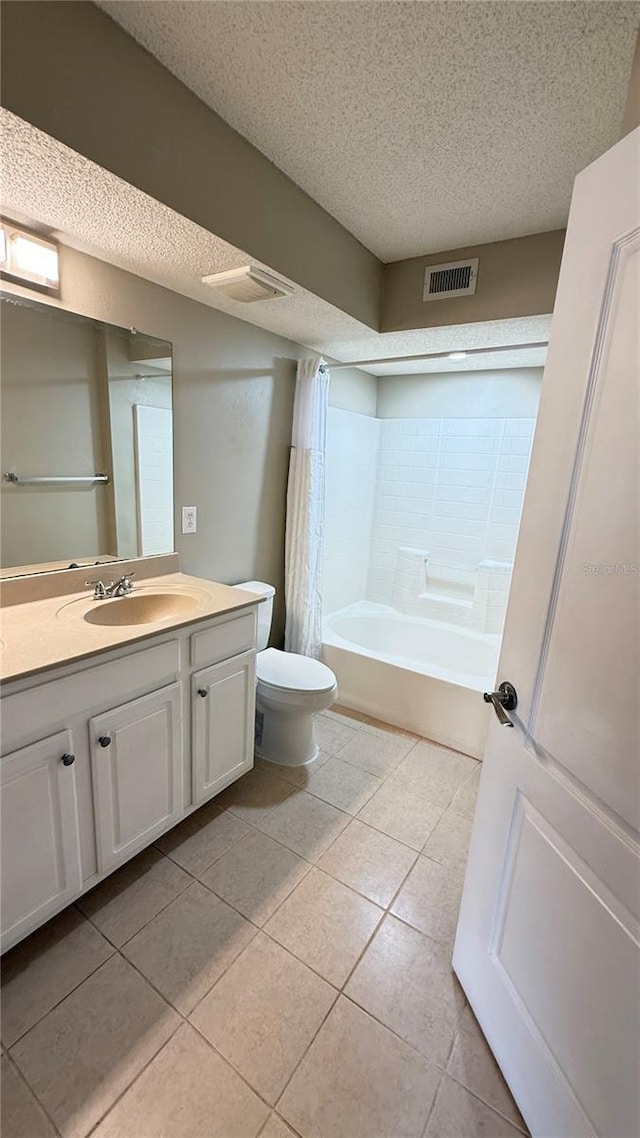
{"points": [[113, 731], [120, 714]]}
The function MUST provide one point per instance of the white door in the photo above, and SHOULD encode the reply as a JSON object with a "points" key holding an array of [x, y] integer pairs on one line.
{"points": [[40, 845], [223, 701], [547, 942], [136, 765]]}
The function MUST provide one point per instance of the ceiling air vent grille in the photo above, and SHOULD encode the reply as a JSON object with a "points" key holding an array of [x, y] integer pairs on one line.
{"points": [[457, 278]]}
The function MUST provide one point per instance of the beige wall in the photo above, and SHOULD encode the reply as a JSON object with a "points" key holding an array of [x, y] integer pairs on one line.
{"points": [[515, 278], [74, 73], [354, 390], [232, 400], [505, 394], [50, 425], [631, 117]]}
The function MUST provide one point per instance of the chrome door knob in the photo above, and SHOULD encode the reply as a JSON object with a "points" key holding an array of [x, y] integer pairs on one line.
{"points": [[504, 699]]}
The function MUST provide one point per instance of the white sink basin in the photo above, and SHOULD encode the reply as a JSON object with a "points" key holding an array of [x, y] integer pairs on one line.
{"points": [[140, 609], [146, 605]]}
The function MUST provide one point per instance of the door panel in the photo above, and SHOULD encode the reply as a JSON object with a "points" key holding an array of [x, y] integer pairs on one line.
{"points": [[39, 801], [223, 724], [598, 593], [137, 773], [551, 899]]}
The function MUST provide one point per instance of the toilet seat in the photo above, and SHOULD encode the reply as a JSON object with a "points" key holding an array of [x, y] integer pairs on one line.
{"points": [[288, 672]]}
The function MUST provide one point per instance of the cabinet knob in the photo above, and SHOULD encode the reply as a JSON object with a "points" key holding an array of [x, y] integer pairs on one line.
{"points": [[203, 692], [67, 760], [104, 740]]}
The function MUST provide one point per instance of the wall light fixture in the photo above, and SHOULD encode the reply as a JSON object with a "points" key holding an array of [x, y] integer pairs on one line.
{"points": [[28, 259]]}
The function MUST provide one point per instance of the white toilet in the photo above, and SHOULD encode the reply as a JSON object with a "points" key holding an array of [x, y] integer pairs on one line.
{"points": [[290, 691]]}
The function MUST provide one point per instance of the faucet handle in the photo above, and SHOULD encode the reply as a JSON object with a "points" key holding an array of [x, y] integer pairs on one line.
{"points": [[98, 587], [124, 586]]}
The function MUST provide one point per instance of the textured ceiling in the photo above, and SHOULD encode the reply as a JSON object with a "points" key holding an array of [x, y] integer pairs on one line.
{"points": [[45, 184], [421, 126]]}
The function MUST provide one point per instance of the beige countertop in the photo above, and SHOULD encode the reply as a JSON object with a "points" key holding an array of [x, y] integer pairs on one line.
{"points": [[45, 633]]}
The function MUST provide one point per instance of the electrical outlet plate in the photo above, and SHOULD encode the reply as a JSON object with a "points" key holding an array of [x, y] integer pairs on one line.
{"points": [[189, 519]]}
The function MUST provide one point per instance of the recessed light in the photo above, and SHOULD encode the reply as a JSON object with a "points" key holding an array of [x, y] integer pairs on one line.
{"points": [[457, 355]]}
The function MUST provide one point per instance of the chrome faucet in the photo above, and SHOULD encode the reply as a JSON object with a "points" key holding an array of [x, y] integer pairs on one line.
{"points": [[119, 588]]}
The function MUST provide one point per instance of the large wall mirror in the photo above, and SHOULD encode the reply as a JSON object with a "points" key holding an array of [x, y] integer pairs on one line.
{"points": [[86, 438]]}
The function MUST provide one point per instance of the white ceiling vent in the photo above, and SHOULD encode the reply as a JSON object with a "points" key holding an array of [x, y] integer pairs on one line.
{"points": [[456, 278], [248, 284]]}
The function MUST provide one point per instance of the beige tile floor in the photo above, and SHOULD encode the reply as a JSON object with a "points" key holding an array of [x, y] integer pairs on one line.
{"points": [[277, 966]]}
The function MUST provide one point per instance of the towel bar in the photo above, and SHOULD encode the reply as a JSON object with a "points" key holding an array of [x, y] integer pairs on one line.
{"points": [[53, 479]]}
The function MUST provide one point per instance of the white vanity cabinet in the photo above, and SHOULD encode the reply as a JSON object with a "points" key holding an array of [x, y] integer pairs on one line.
{"points": [[101, 756], [41, 869]]}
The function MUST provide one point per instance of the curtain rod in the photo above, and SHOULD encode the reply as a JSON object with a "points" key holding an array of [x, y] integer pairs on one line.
{"points": [[436, 355]]}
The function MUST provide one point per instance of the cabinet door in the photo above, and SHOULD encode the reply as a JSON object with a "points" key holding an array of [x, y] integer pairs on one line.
{"points": [[223, 702], [136, 760], [40, 843]]}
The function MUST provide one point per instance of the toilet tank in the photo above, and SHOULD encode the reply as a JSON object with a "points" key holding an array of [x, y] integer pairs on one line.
{"points": [[265, 610]]}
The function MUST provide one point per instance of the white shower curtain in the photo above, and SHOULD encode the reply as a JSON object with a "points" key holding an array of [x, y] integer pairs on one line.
{"points": [[305, 510]]}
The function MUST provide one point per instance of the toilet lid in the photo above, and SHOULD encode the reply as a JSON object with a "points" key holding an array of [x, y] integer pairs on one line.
{"points": [[291, 672]]}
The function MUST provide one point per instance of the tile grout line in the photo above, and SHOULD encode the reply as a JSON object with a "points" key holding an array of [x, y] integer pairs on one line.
{"points": [[31, 1091], [182, 1018], [314, 794], [170, 1006], [339, 991], [228, 1063], [119, 947], [386, 912], [92, 1129], [392, 1031], [432, 1108], [280, 1118], [221, 811], [493, 1109], [304, 1055], [114, 950], [310, 966]]}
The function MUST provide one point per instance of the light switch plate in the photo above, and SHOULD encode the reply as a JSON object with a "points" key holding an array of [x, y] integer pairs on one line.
{"points": [[189, 519]]}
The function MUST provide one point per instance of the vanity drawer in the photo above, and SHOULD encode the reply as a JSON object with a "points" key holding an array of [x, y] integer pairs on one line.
{"points": [[36, 711], [227, 638]]}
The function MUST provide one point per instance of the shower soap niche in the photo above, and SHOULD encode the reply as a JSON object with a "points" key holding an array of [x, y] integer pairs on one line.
{"points": [[453, 584]]}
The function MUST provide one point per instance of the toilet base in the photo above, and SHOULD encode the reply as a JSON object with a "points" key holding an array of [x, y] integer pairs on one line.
{"points": [[286, 738]]}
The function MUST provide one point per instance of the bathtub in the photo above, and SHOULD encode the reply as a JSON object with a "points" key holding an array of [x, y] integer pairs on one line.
{"points": [[421, 674]]}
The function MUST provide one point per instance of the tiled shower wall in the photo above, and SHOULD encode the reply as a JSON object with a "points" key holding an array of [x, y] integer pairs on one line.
{"points": [[448, 501], [351, 474], [422, 513]]}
